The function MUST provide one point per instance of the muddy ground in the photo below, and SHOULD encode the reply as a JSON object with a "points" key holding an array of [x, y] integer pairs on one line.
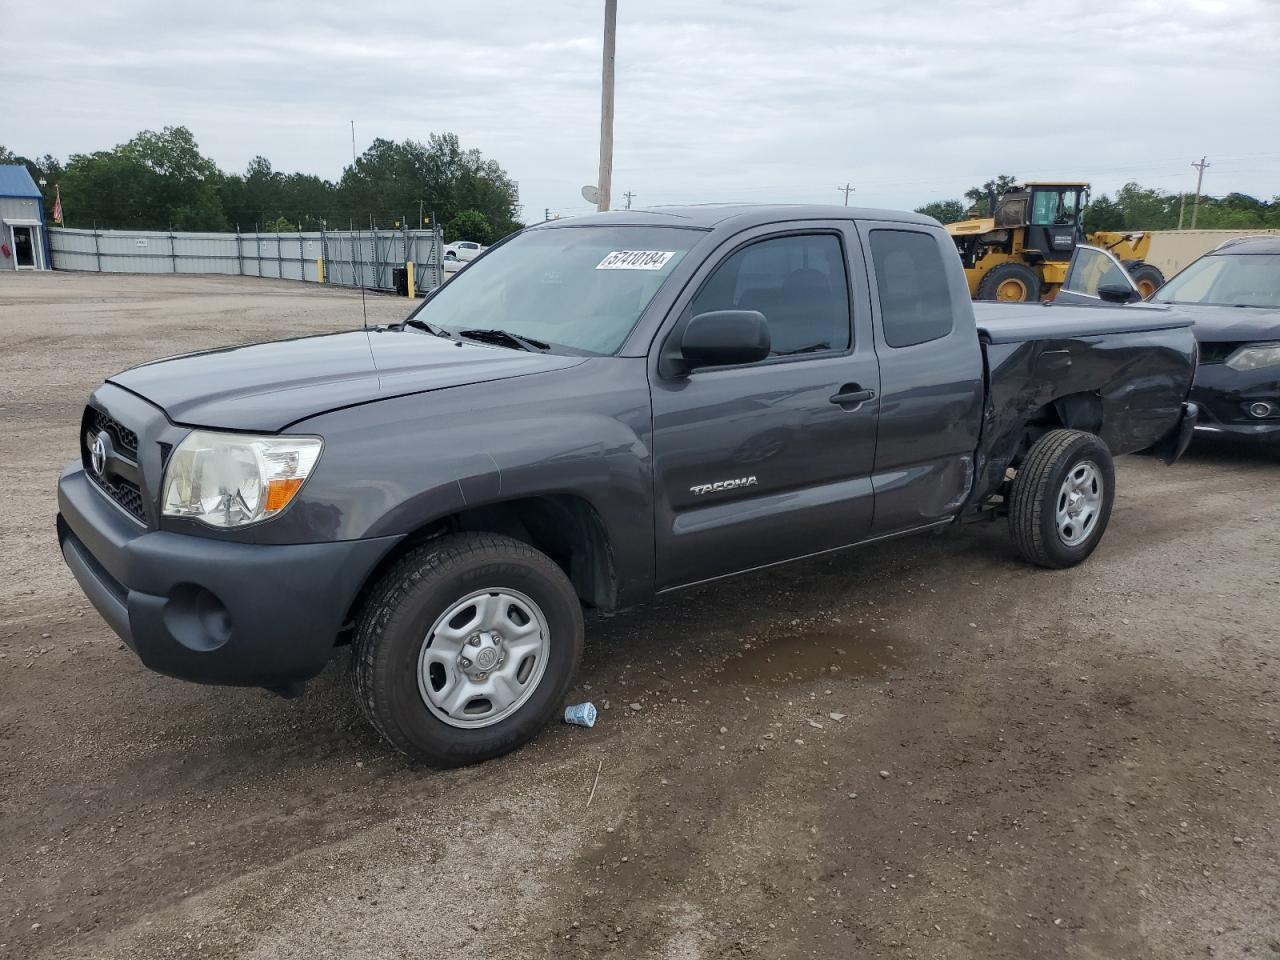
{"points": [[925, 749]]}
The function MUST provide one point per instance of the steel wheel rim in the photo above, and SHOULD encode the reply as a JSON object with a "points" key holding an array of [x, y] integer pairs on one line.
{"points": [[483, 658], [1079, 503], [1011, 290], [1146, 288]]}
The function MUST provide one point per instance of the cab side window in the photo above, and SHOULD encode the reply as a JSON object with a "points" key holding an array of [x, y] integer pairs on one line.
{"points": [[911, 282], [800, 285]]}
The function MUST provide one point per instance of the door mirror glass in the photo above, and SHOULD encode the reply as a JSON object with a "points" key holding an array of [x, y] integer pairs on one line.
{"points": [[724, 338], [1097, 274]]}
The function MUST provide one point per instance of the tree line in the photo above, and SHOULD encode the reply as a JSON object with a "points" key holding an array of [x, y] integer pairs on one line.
{"points": [[162, 181], [1134, 207]]}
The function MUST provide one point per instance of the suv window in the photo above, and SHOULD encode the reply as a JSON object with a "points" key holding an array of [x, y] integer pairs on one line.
{"points": [[911, 282], [800, 285]]}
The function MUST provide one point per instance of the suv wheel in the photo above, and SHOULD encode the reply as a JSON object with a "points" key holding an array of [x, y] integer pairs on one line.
{"points": [[1061, 498], [466, 648]]}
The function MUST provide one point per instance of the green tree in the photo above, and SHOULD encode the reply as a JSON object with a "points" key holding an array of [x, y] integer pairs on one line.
{"points": [[1103, 213], [980, 197], [468, 225], [389, 180], [156, 180], [944, 211]]}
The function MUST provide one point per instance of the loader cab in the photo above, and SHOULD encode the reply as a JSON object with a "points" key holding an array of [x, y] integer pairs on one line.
{"points": [[1054, 223]]}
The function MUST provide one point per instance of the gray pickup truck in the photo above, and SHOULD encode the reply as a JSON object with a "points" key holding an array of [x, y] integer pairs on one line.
{"points": [[591, 412]]}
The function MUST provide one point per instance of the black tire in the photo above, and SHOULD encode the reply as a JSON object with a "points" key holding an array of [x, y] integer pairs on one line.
{"points": [[1038, 492], [1008, 276], [1147, 278], [392, 630]]}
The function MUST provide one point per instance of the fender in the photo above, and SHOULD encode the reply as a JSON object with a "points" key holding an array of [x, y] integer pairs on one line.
{"points": [[583, 432]]}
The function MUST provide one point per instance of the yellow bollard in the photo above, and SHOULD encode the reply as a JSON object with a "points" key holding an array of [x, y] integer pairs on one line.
{"points": [[408, 269], [319, 269]]}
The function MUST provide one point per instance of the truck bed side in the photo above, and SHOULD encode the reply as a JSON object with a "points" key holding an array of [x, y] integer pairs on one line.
{"points": [[1121, 373]]}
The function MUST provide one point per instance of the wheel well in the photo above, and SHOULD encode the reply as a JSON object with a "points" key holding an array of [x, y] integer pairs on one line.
{"points": [[566, 528], [1075, 411]]}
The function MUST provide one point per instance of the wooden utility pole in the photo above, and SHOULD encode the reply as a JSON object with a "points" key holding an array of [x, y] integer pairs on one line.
{"points": [[846, 190], [628, 195], [605, 182], [1195, 209]]}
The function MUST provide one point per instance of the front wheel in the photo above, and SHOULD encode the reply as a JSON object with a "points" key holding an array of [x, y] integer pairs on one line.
{"points": [[1010, 282], [466, 648], [1061, 498]]}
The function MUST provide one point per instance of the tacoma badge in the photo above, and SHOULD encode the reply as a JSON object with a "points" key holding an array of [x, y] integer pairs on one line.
{"points": [[698, 489]]}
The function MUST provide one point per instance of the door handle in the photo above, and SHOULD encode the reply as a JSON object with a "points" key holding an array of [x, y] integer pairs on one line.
{"points": [[851, 396]]}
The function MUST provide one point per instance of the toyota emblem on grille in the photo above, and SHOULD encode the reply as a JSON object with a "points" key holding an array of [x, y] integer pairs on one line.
{"points": [[98, 454]]}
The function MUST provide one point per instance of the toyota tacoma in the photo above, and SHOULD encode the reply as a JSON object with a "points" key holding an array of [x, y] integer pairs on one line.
{"points": [[592, 412]]}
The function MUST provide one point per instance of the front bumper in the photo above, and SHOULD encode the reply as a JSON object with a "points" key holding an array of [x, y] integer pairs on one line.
{"points": [[211, 611], [1224, 396]]}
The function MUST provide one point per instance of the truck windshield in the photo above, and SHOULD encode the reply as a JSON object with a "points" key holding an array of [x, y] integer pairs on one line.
{"points": [[579, 289], [1226, 280]]}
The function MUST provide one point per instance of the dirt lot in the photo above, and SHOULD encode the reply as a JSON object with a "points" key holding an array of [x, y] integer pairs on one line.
{"points": [[923, 750]]}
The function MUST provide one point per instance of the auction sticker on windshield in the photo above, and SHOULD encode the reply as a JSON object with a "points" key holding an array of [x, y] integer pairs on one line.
{"points": [[636, 260]]}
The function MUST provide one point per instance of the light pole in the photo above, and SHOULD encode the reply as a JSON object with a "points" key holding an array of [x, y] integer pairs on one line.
{"points": [[605, 182]]}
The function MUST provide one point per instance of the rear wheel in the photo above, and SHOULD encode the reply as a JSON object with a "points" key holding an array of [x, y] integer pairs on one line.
{"points": [[1146, 278], [1061, 498], [466, 648], [1012, 283]]}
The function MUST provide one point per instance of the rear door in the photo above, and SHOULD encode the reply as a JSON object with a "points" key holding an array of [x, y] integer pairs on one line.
{"points": [[931, 375], [764, 462]]}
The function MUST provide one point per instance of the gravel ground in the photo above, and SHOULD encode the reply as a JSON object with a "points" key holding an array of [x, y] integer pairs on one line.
{"points": [[926, 749]]}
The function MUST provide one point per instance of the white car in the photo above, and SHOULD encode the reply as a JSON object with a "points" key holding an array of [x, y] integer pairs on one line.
{"points": [[463, 250]]}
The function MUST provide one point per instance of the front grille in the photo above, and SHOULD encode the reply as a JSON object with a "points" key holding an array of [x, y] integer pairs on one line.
{"points": [[1216, 351], [126, 441], [123, 491]]}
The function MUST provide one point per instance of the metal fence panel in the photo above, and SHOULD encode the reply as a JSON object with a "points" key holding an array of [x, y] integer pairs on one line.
{"points": [[351, 258]]}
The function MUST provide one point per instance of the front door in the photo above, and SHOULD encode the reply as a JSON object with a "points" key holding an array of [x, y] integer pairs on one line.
{"points": [[24, 248], [1094, 276], [763, 462]]}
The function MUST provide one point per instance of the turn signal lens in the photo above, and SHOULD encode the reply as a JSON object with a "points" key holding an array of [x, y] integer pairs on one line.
{"points": [[280, 492]]}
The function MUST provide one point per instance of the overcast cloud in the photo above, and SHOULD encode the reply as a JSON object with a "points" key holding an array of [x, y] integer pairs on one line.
{"points": [[716, 101]]}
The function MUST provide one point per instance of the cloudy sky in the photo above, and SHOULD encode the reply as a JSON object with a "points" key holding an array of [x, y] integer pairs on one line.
{"points": [[753, 100]]}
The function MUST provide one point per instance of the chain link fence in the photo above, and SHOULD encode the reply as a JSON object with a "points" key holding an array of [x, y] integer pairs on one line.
{"points": [[348, 258]]}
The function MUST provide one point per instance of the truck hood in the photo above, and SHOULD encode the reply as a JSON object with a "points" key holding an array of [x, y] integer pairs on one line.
{"points": [[268, 386], [1231, 324]]}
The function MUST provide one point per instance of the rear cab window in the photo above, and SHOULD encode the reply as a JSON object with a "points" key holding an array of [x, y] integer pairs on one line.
{"points": [[912, 287]]}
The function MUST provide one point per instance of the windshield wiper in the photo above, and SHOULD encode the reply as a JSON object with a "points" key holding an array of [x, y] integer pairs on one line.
{"points": [[506, 339], [430, 328]]}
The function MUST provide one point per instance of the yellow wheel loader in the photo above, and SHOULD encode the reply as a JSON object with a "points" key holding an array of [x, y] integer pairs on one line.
{"points": [[1021, 252]]}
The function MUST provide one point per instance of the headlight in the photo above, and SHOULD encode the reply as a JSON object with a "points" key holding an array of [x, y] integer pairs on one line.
{"points": [[230, 479], [1255, 357]]}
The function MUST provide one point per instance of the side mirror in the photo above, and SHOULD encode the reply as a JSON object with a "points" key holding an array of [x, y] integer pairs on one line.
{"points": [[719, 338], [1118, 293]]}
